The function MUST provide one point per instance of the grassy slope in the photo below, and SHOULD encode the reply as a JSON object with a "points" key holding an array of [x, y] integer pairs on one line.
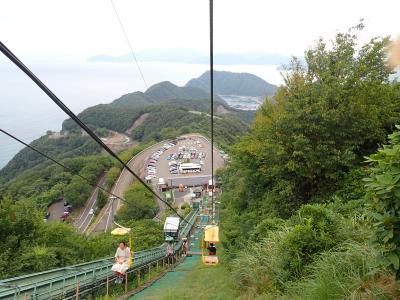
{"points": [[200, 283]]}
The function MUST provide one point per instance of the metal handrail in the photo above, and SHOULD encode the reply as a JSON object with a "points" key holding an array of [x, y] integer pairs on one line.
{"points": [[63, 280]]}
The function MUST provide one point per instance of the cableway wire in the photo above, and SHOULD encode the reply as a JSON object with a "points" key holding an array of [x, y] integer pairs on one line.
{"points": [[60, 104], [129, 43], [212, 102], [69, 169]]}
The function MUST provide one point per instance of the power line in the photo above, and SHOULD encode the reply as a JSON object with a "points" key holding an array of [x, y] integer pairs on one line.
{"points": [[60, 104], [60, 164], [69, 169], [129, 43], [212, 100]]}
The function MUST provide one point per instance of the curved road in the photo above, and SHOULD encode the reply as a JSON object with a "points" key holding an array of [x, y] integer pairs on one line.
{"points": [[83, 221], [138, 165]]}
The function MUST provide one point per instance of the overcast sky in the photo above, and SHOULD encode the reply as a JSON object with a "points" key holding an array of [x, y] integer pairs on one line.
{"points": [[82, 28]]}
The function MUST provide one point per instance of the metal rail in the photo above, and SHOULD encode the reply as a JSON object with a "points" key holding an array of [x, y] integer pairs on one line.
{"points": [[61, 283]]}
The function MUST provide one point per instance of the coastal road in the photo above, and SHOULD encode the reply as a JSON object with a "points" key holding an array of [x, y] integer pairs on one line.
{"points": [[84, 219]]}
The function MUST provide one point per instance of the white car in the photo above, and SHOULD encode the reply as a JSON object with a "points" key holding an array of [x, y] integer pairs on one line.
{"points": [[91, 211]]}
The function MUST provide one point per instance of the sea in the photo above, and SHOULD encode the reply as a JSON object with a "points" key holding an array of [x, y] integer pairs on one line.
{"points": [[27, 113]]}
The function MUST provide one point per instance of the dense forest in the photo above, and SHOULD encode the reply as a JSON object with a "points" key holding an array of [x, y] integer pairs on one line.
{"points": [[305, 214], [33, 245], [70, 146]]}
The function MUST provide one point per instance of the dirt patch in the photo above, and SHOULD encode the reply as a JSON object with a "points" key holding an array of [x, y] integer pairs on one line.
{"points": [[139, 121], [118, 141]]}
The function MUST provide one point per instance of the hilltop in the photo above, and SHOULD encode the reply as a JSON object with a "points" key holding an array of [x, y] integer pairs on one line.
{"points": [[229, 83], [164, 110]]}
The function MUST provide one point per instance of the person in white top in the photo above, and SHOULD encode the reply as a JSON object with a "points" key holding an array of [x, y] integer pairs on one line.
{"points": [[122, 261]]}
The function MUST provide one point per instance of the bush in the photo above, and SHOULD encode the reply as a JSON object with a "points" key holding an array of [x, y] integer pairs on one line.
{"points": [[349, 272]]}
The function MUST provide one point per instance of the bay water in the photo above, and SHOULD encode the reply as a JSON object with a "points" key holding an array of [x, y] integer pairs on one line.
{"points": [[26, 112]]}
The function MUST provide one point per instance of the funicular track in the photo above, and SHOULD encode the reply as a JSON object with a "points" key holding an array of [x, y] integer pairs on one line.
{"points": [[81, 279]]}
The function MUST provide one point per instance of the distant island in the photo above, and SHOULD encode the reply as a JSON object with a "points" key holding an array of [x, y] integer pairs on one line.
{"points": [[197, 57]]}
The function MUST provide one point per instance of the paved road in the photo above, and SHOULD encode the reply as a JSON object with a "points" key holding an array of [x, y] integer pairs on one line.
{"points": [[84, 219], [124, 181], [138, 165]]}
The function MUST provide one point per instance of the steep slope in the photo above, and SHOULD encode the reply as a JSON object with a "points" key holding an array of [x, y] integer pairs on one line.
{"points": [[229, 83]]}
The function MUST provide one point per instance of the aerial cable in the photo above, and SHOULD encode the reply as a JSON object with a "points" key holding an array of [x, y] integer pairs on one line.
{"points": [[60, 104], [70, 170], [212, 100], [129, 43], [60, 164]]}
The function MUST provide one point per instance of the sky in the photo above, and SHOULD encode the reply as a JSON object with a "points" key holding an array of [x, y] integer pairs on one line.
{"points": [[83, 28]]}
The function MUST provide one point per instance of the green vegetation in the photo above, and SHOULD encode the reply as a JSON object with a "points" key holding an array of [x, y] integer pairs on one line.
{"points": [[140, 204], [102, 198], [297, 220], [68, 146], [199, 283], [31, 245], [384, 193], [171, 121], [229, 83], [39, 245], [105, 116], [52, 182]]}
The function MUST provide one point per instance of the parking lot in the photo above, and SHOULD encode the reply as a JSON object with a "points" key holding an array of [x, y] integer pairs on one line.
{"points": [[190, 152]]}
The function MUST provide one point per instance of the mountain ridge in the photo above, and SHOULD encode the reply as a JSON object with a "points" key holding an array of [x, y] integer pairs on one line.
{"points": [[230, 83]]}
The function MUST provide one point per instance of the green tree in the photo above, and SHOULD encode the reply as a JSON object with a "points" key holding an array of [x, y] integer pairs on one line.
{"points": [[112, 176], [140, 204], [77, 191], [383, 187]]}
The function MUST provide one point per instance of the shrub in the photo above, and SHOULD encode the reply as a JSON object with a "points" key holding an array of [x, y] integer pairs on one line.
{"points": [[348, 272]]}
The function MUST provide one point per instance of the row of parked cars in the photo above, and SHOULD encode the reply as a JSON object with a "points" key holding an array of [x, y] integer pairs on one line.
{"points": [[186, 154], [152, 163]]}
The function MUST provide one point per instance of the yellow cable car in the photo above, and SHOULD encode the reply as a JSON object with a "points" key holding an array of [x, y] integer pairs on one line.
{"points": [[209, 240], [122, 231]]}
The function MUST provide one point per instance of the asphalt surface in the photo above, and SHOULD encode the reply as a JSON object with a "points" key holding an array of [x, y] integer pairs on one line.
{"points": [[191, 179], [84, 219], [139, 163], [124, 181], [56, 210]]}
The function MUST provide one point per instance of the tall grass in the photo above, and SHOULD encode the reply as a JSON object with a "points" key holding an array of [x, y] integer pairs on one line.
{"points": [[259, 269], [349, 272]]}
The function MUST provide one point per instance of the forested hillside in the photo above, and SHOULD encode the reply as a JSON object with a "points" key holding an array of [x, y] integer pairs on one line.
{"points": [[44, 245], [297, 219], [70, 146], [229, 83]]}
